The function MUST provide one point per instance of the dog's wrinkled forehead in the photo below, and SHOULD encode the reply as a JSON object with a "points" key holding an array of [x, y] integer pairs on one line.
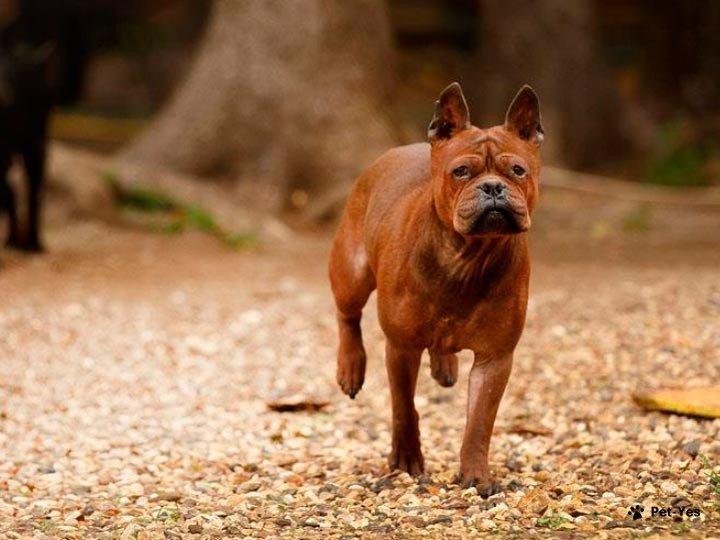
{"points": [[487, 142]]}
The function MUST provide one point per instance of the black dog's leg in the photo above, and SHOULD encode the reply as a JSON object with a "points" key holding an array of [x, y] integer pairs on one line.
{"points": [[34, 157], [7, 202]]}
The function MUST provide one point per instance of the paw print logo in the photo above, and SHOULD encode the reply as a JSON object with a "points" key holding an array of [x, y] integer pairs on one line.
{"points": [[636, 511]]}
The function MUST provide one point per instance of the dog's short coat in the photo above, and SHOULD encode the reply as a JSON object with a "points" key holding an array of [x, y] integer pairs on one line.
{"points": [[439, 230]]}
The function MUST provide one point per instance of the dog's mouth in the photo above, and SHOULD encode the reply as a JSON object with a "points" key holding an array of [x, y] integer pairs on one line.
{"points": [[491, 218]]}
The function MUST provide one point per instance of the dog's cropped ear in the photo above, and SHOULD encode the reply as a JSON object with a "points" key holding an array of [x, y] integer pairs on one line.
{"points": [[451, 114], [523, 116]]}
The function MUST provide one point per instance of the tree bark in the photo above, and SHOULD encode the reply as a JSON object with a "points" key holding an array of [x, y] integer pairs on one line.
{"points": [[283, 95], [550, 44]]}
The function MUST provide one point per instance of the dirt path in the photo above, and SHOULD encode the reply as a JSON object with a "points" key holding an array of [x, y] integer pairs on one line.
{"points": [[135, 371]]}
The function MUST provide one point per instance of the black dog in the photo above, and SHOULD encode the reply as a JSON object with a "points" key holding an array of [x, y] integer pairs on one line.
{"points": [[42, 54], [26, 97]]}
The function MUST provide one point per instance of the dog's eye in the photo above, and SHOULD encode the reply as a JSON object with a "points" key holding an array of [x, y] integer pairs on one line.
{"points": [[518, 170], [461, 172]]}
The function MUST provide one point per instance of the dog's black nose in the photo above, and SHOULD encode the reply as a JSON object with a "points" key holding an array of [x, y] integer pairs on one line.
{"points": [[494, 188]]}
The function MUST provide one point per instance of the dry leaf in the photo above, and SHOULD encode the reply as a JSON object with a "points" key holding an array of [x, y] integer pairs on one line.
{"points": [[297, 405], [534, 502], [528, 429], [690, 401]]}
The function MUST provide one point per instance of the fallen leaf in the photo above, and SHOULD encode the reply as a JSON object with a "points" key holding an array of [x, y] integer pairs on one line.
{"points": [[535, 502], [691, 401], [297, 405], [528, 429]]}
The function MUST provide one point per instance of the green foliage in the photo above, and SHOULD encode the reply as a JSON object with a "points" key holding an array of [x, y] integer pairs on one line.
{"points": [[681, 159], [683, 166], [167, 514], [145, 200], [142, 200], [46, 525], [178, 217], [552, 521], [713, 476], [198, 218]]}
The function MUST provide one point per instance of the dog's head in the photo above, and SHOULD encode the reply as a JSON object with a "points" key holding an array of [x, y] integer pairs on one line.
{"points": [[485, 181]]}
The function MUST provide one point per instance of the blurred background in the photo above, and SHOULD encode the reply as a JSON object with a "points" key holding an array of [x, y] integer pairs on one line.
{"points": [[276, 106], [198, 155], [637, 67]]}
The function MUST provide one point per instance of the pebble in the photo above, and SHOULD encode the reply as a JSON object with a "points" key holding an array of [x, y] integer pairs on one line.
{"points": [[153, 422], [692, 448], [487, 525], [535, 502], [669, 488]]}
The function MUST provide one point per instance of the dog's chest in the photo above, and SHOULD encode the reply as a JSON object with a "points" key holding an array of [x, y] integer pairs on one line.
{"points": [[446, 332], [446, 308]]}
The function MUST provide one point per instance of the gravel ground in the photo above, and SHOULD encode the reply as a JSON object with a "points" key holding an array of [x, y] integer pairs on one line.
{"points": [[136, 370]]}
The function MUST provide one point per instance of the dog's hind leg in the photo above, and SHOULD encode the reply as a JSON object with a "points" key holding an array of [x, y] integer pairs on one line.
{"points": [[352, 283], [444, 368]]}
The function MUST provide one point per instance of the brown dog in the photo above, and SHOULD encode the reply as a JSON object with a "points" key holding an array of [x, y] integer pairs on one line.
{"points": [[440, 230]]}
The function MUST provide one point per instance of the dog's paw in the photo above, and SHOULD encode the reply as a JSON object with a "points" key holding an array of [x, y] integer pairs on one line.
{"points": [[444, 368], [408, 459], [484, 486], [351, 372]]}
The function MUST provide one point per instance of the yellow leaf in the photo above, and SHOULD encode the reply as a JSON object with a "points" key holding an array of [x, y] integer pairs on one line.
{"points": [[690, 401]]}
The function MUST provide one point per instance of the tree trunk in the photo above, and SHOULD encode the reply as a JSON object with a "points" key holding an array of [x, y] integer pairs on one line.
{"points": [[682, 62], [550, 44], [283, 95]]}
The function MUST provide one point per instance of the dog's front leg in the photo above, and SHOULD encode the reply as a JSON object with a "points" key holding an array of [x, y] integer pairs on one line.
{"points": [[7, 201], [488, 378], [402, 367]]}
